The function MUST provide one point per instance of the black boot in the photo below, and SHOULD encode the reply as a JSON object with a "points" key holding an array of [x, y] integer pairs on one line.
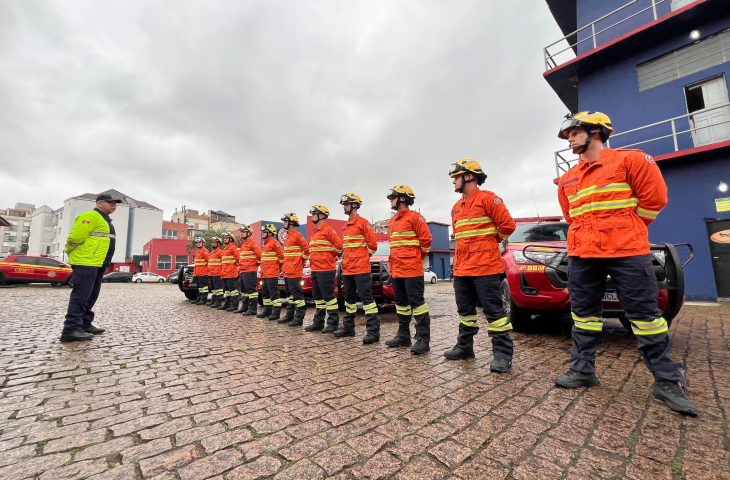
{"points": [[77, 335], [464, 347], [252, 305], [226, 303], [500, 365], [244, 304], [202, 299], [298, 319], [234, 305], [372, 325], [212, 300], [289, 314], [403, 336], [333, 320], [674, 396], [423, 334], [348, 327], [265, 312], [317, 321], [219, 299], [574, 379], [275, 313]]}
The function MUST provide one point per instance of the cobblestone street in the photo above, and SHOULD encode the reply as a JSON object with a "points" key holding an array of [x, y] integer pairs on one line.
{"points": [[178, 391]]}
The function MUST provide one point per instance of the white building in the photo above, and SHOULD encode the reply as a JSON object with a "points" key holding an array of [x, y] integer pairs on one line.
{"points": [[41, 231], [14, 238], [135, 223]]}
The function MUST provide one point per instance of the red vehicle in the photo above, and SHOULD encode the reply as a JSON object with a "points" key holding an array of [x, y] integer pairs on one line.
{"points": [[536, 275], [19, 268]]}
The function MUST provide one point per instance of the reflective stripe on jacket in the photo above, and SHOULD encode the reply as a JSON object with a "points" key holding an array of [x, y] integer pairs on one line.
{"points": [[200, 268], [229, 261], [296, 249], [324, 248], [609, 203], [410, 241], [249, 256], [214, 262], [88, 241], [272, 257], [358, 245], [480, 221]]}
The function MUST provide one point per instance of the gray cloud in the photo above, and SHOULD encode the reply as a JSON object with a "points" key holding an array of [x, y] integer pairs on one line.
{"points": [[262, 107]]}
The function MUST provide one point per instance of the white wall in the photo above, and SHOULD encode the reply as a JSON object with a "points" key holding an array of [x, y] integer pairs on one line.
{"points": [[41, 231], [146, 225]]}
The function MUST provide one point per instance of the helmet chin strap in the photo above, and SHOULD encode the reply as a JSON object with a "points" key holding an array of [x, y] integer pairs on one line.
{"points": [[583, 148]]}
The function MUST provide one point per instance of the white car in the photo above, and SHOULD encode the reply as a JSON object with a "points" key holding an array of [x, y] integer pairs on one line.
{"points": [[429, 276], [147, 277]]}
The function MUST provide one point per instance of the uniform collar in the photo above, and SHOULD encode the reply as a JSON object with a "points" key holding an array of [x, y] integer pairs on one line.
{"points": [[354, 219], [471, 196], [103, 215], [606, 155], [403, 213]]}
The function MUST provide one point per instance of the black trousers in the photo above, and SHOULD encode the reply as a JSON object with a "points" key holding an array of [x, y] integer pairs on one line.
{"points": [[202, 282], [230, 287], [270, 292], [487, 290], [216, 285], [409, 301], [360, 285], [323, 292], [637, 290], [85, 291], [295, 296], [248, 285]]}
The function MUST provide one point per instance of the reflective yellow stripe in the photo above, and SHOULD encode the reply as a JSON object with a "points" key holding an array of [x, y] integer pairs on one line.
{"points": [[499, 325], [293, 248], [354, 237], [332, 305], [607, 205], [469, 320], [650, 327], [593, 324], [403, 310], [267, 302], [643, 212], [407, 233], [299, 303], [322, 249], [611, 187], [350, 307], [475, 233], [320, 242], [319, 303], [405, 243], [420, 310], [370, 308], [472, 221]]}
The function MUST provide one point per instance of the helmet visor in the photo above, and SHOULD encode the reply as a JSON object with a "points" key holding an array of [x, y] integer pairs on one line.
{"points": [[456, 169], [567, 125], [345, 199]]}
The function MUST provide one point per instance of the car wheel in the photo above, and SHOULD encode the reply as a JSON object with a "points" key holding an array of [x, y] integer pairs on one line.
{"points": [[433, 280], [162, 280], [518, 317], [191, 294], [139, 280]]}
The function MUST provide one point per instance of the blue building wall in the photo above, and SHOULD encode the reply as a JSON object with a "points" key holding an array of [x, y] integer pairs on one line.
{"points": [[440, 262], [692, 192]]}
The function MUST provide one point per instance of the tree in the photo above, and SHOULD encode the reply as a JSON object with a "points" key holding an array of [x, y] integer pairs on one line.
{"points": [[207, 235]]}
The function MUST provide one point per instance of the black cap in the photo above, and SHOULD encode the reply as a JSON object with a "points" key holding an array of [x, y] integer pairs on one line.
{"points": [[105, 197]]}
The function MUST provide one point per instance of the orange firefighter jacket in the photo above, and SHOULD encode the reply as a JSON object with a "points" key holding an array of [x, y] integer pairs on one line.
{"points": [[200, 268], [249, 256], [480, 221], [229, 261], [296, 250], [358, 245], [324, 248], [214, 262], [410, 241], [609, 203], [272, 256]]}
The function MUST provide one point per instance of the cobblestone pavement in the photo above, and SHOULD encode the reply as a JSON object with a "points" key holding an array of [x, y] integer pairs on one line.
{"points": [[178, 391]]}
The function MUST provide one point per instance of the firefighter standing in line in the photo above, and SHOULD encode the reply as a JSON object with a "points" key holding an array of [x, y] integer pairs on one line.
{"points": [[410, 241], [358, 246], [324, 248], [608, 198], [296, 251], [248, 263], [480, 221], [214, 273], [200, 270], [229, 272], [272, 257]]}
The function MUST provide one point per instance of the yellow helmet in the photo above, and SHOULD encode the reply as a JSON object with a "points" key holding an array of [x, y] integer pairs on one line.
{"points": [[589, 121], [350, 197], [269, 228], [246, 229], [198, 239], [319, 208], [216, 239], [228, 235], [468, 165], [402, 191], [291, 218]]}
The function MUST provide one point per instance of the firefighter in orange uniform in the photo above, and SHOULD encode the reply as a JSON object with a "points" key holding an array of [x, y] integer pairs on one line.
{"points": [[272, 258], [608, 198], [248, 263], [410, 241], [214, 273], [358, 246], [229, 273], [200, 270], [296, 251], [324, 248], [480, 221]]}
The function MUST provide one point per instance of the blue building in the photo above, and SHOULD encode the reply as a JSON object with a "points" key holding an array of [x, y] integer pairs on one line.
{"points": [[659, 69], [439, 258]]}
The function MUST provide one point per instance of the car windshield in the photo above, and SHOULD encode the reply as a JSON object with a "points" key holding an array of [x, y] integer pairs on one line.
{"points": [[540, 232]]}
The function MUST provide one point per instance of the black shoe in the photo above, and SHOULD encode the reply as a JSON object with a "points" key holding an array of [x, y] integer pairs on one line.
{"points": [[233, 306], [573, 379], [313, 327], [296, 323], [370, 338], [500, 365], [93, 330], [398, 342], [458, 353], [342, 332], [674, 396], [420, 347], [283, 320], [329, 329], [264, 313], [76, 336], [251, 310]]}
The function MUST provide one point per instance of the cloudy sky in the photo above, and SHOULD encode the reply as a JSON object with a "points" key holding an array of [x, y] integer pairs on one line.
{"points": [[263, 107]]}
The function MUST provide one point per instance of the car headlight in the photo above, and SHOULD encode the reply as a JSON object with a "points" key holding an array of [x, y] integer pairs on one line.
{"points": [[536, 258], [301, 283]]}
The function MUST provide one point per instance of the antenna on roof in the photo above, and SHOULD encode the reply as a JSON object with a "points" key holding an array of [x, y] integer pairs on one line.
{"points": [[535, 205]]}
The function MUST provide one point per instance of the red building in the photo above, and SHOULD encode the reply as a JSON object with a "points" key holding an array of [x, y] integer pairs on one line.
{"points": [[168, 253]]}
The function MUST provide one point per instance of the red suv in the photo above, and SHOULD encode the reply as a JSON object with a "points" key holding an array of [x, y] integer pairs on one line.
{"points": [[18, 268], [536, 275]]}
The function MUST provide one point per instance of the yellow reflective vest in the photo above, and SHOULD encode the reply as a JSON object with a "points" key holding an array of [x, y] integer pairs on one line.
{"points": [[88, 242]]}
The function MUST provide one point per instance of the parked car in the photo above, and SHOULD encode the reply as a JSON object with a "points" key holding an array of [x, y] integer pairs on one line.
{"points": [[18, 268], [147, 277], [174, 276], [117, 277], [186, 284], [536, 275], [429, 276]]}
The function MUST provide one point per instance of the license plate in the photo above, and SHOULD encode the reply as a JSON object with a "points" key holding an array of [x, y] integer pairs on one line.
{"points": [[610, 297], [282, 281]]}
